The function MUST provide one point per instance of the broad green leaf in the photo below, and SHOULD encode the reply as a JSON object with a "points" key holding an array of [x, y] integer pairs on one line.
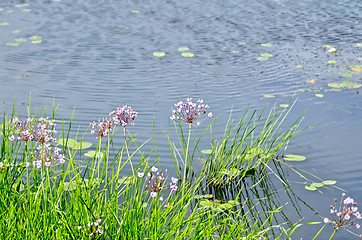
{"points": [[327, 46], [359, 44], [27, 10], [346, 84], [35, 37], [317, 185], [136, 11], [357, 69], [242, 43], [334, 85], [20, 40], [16, 31], [266, 55], [266, 44], [21, 5], [283, 105], [93, 153], [159, 54], [74, 144], [293, 157], [36, 41], [69, 186], [206, 203], [310, 188], [183, 49], [262, 59], [203, 196], [4, 23], [15, 44], [187, 54], [268, 96], [331, 61], [329, 182], [319, 95], [355, 85], [207, 151]]}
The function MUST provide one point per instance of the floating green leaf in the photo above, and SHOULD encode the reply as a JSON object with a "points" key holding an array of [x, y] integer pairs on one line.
{"points": [[126, 180], [283, 105], [334, 85], [74, 144], [206, 203], [329, 182], [268, 96], [266, 44], [2, 9], [20, 40], [13, 44], [242, 43], [16, 31], [359, 44], [262, 59], [4, 23], [69, 186], [319, 95], [266, 55], [91, 154], [331, 61], [293, 157], [26, 10], [203, 196], [327, 46], [317, 185], [136, 11], [36, 41], [35, 37], [187, 54], [183, 49], [207, 151], [21, 5], [310, 188], [159, 54]]}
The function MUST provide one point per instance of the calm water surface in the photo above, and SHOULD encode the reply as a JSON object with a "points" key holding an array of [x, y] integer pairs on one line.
{"points": [[97, 55]]}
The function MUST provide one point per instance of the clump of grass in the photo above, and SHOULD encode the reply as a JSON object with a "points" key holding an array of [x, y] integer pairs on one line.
{"points": [[51, 193]]}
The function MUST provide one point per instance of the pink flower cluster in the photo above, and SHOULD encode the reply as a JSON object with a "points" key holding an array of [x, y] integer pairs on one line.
{"points": [[102, 127], [345, 215], [40, 130], [33, 129], [189, 112], [156, 180], [94, 229], [124, 115]]}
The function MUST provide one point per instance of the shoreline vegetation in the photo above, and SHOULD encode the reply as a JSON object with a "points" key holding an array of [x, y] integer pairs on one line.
{"points": [[55, 187]]}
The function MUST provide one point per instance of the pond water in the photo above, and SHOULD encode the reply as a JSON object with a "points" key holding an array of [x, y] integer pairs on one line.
{"points": [[97, 55]]}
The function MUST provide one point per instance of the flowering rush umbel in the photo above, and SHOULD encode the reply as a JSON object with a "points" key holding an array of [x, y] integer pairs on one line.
{"points": [[102, 127], [345, 215], [124, 115], [190, 112]]}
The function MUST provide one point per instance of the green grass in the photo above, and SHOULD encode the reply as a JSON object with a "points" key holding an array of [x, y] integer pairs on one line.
{"points": [[231, 197]]}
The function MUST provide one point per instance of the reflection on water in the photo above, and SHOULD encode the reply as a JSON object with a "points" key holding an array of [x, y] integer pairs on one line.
{"points": [[99, 55]]}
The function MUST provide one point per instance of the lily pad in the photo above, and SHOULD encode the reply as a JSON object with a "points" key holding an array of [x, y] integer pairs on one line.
{"points": [[20, 40], [183, 49], [207, 151], [319, 95], [357, 69], [27, 10], [334, 85], [35, 37], [187, 54], [310, 188], [159, 54], [69, 186], [91, 154], [206, 203], [203, 196], [16, 31], [331, 61], [36, 41], [74, 144], [283, 105], [262, 59], [359, 44], [21, 5], [135, 11], [293, 157], [266, 44], [329, 182], [4, 23], [15, 44], [266, 55], [317, 185], [269, 96]]}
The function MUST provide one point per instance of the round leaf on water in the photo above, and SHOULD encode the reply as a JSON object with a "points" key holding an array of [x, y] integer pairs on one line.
{"points": [[268, 96], [4, 24], [293, 157], [16, 31], [15, 44], [266, 55], [317, 185], [319, 95], [310, 188], [329, 182], [283, 105], [327, 46], [206, 203], [203, 196], [27, 10], [183, 49], [357, 69], [159, 54], [136, 11], [20, 40], [206, 151], [266, 44], [35, 37], [36, 41], [69, 186], [82, 145], [359, 44], [21, 5], [225, 205], [187, 54], [355, 85], [93, 153], [262, 59], [334, 85], [331, 61], [346, 84]]}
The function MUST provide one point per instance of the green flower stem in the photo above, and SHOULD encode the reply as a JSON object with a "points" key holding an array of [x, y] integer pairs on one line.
{"points": [[334, 232], [187, 152], [125, 142]]}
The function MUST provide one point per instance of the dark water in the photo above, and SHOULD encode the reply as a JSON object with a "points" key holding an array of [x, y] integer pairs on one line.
{"points": [[97, 55]]}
